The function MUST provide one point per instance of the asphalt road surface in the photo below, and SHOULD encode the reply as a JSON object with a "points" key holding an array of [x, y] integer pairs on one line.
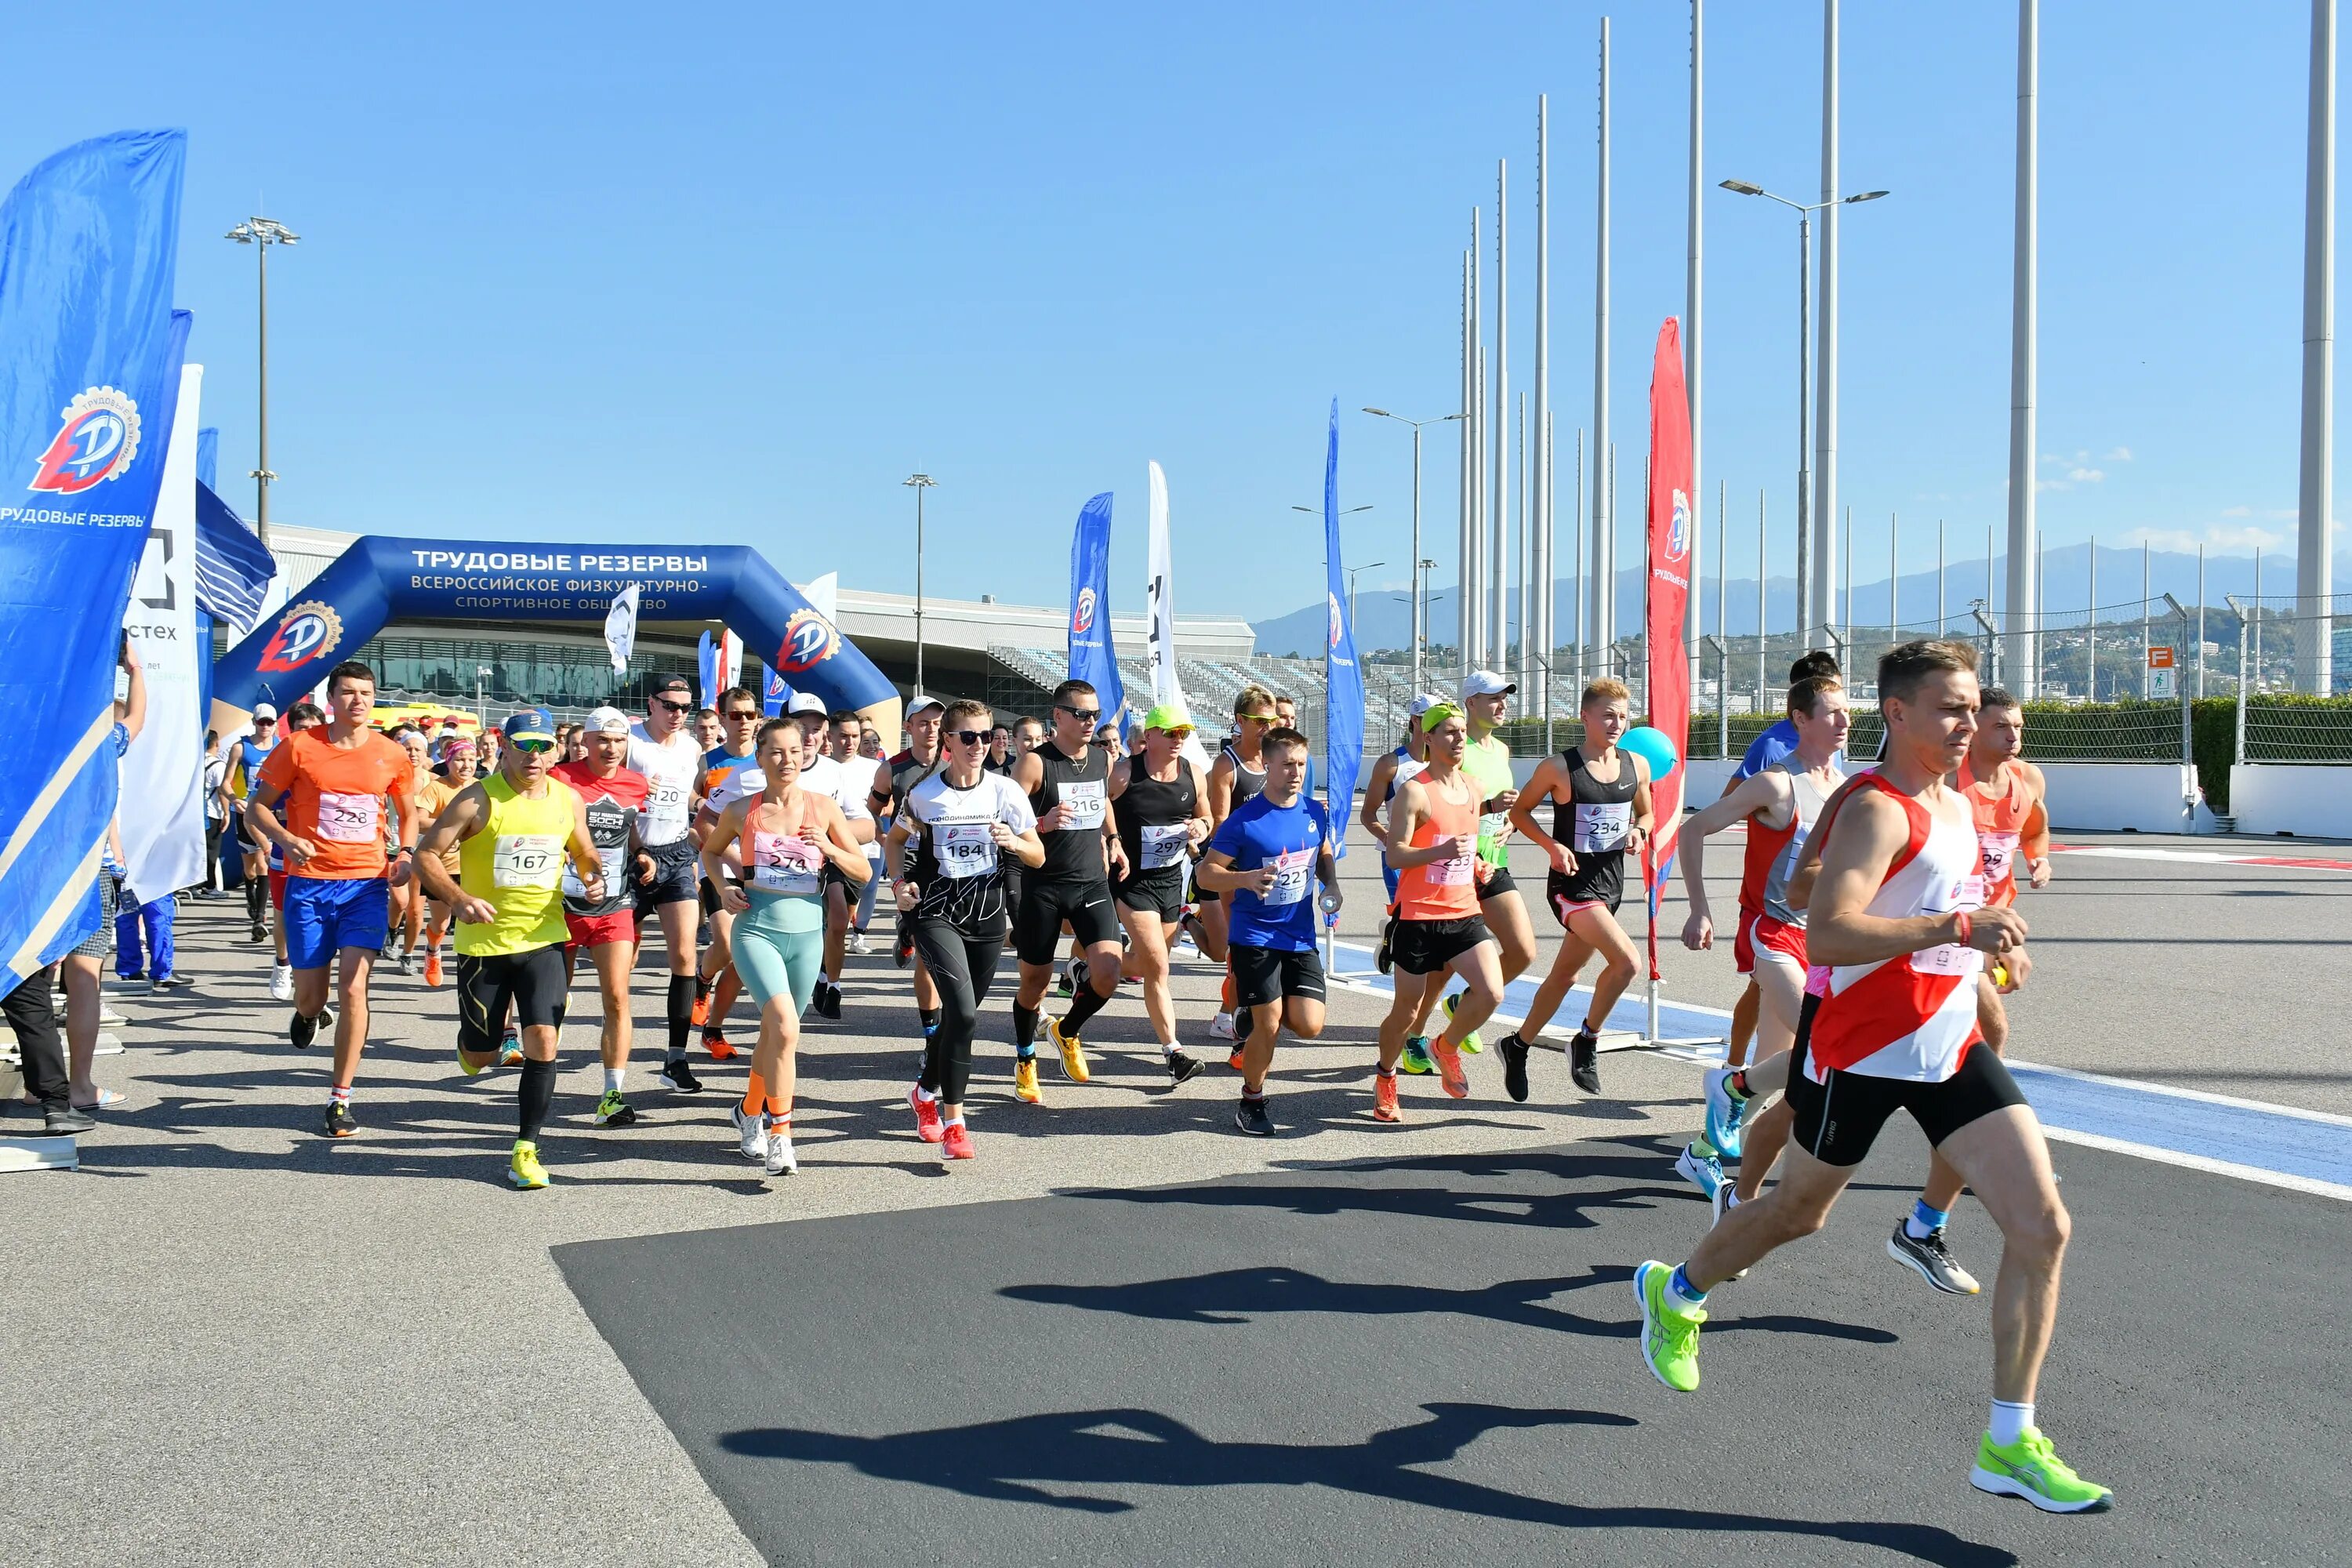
{"points": [[1125, 1331]]}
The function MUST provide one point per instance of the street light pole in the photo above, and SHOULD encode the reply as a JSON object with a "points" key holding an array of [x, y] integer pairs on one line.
{"points": [[262, 233], [1351, 572], [1811, 609], [1419, 623], [920, 483]]}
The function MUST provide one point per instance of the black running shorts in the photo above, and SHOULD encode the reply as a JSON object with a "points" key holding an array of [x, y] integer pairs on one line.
{"points": [[1037, 921], [1496, 885], [678, 876], [1263, 976], [531, 984], [1160, 892], [1418, 947], [1838, 1120]]}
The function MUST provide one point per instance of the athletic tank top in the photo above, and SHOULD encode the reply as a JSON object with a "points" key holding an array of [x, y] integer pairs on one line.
{"points": [[1154, 816], [1757, 861], [515, 864], [1488, 765], [1810, 798], [783, 874], [2002, 803], [1246, 783], [1596, 822], [1074, 851], [1915, 1016], [1407, 770], [1444, 890]]}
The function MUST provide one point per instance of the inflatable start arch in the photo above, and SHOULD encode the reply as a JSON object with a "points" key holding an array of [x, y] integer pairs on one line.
{"points": [[379, 579]]}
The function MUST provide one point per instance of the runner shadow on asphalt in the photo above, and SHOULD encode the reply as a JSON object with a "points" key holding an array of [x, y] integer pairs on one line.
{"points": [[1017, 1459], [1234, 1296]]}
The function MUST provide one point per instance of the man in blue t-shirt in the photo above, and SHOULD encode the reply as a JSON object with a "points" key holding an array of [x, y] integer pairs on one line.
{"points": [[1264, 859]]}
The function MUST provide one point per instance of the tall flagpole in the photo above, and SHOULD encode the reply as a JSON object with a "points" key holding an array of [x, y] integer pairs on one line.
{"points": [[1475, 653], [1823, 613], [1691, 319], [1464, 579], [1603, 617], [2315, 575], [1499, 504], [2024, 358], [1543, 640]]}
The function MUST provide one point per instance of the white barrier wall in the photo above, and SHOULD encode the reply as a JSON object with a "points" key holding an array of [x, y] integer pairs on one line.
{"points": [[2309, 801], [2147, 797]]}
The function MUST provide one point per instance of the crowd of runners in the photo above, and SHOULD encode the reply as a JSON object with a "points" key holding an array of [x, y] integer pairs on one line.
{"points": [[1876, 921]]}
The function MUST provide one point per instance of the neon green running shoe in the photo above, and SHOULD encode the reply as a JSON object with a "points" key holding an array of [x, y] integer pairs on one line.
{"points": [[1669, 1334], [2030, 1468], [524, 1169], [1416, 1057], [469, 1068], [1471, 1044]]}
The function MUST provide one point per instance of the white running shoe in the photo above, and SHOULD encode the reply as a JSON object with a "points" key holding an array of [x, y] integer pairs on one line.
{"points": [[281, 982], [781, 1159], [1221, 1027], [752, 1133], [857, 943]]}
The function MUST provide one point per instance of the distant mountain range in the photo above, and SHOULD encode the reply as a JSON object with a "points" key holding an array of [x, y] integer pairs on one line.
{"points": [[1386, 618]]}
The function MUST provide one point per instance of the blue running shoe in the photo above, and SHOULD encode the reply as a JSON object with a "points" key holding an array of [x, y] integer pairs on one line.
{"points": [[1703, 1171], [1724, 1113]]}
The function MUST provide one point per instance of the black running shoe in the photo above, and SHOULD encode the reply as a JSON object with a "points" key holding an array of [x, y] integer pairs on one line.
{"points": [[1181, 1067], [302, 1031], [1384, 958], [905, 951], [1514, 1065], [340, 1123], [260, 933], [1584, 1061], [680, 1077], [829, 1001], [1251, 1117]]}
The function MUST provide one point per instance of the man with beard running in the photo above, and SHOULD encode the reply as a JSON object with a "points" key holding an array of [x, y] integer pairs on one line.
{"points": [[1067, 782], [514, 833], [1163, 816], [664, 748]]}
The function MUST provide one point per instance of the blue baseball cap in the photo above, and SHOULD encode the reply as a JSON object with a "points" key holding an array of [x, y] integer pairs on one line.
{"points": [[529, 724]]}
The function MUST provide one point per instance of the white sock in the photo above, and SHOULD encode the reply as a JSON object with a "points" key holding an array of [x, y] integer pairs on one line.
{"points": [[613, 1079], [955, 1122], [1167, 1047], [2010, 1421], [926, 1096]]}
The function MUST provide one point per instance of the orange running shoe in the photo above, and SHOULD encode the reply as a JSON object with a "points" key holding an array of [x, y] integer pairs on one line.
{"points": [[928, 1124], [1234, 1060], [701, 1009], [1449, 1068], [432, 966], [956, 1144], [715, 1042], [1384, 1098]]}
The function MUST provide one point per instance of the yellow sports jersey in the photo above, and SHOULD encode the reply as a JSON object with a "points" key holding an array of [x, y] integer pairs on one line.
{"points": [[515, 864]]}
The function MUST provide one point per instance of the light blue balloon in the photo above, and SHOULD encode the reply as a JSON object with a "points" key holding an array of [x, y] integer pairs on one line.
{"points": [[1653, 747]]}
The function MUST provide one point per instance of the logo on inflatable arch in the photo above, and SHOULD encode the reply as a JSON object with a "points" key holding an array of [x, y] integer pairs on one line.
{"points": [[809, 641], [98, 441], [1338, 622], [1678, 529], [309, 631], [1082, 619]]}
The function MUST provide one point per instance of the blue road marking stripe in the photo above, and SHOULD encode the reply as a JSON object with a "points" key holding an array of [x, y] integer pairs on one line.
{"points": [[2309, 1150]]}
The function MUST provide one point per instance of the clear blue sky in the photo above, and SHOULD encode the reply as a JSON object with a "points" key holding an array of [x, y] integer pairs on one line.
{"points": [[729, 273]]}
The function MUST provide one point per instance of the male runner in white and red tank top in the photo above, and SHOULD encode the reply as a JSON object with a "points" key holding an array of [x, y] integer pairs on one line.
{"points": [[1897, 916]]}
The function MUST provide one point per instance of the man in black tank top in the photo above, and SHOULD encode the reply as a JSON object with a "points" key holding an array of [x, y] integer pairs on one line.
{"points": [[1236, 777], [1069, 780], [1163, 817], [1601, 813]]}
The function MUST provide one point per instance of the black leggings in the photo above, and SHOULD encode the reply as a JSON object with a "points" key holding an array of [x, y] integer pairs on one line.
{"points": [[962, 967]]}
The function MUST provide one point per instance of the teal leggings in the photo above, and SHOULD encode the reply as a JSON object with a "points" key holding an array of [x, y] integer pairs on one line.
{"points": [[772, 962]]}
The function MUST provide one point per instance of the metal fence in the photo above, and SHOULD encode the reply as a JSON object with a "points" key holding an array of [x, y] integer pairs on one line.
{"points": [[2274, 721]]}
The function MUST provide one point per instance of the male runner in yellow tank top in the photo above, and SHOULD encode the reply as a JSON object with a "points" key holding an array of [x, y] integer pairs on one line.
{"points": [[512, 831]]}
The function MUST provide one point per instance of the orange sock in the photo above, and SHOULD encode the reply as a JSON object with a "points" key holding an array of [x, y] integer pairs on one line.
{"points": [[1226, 995], [754, 1093]]}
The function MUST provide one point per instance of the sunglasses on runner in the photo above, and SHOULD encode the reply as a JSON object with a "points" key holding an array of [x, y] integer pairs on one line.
{"points": [[969, 737], [743, 716], [1258, 718], [1088, 714], [532, 747], [675, 707]]}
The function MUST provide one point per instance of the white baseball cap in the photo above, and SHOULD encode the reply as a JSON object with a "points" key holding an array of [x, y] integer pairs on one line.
{"points": [[1424, 703], [805, 702], [920, 701], [1486, 683], [608, 721], [264, 710]]}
